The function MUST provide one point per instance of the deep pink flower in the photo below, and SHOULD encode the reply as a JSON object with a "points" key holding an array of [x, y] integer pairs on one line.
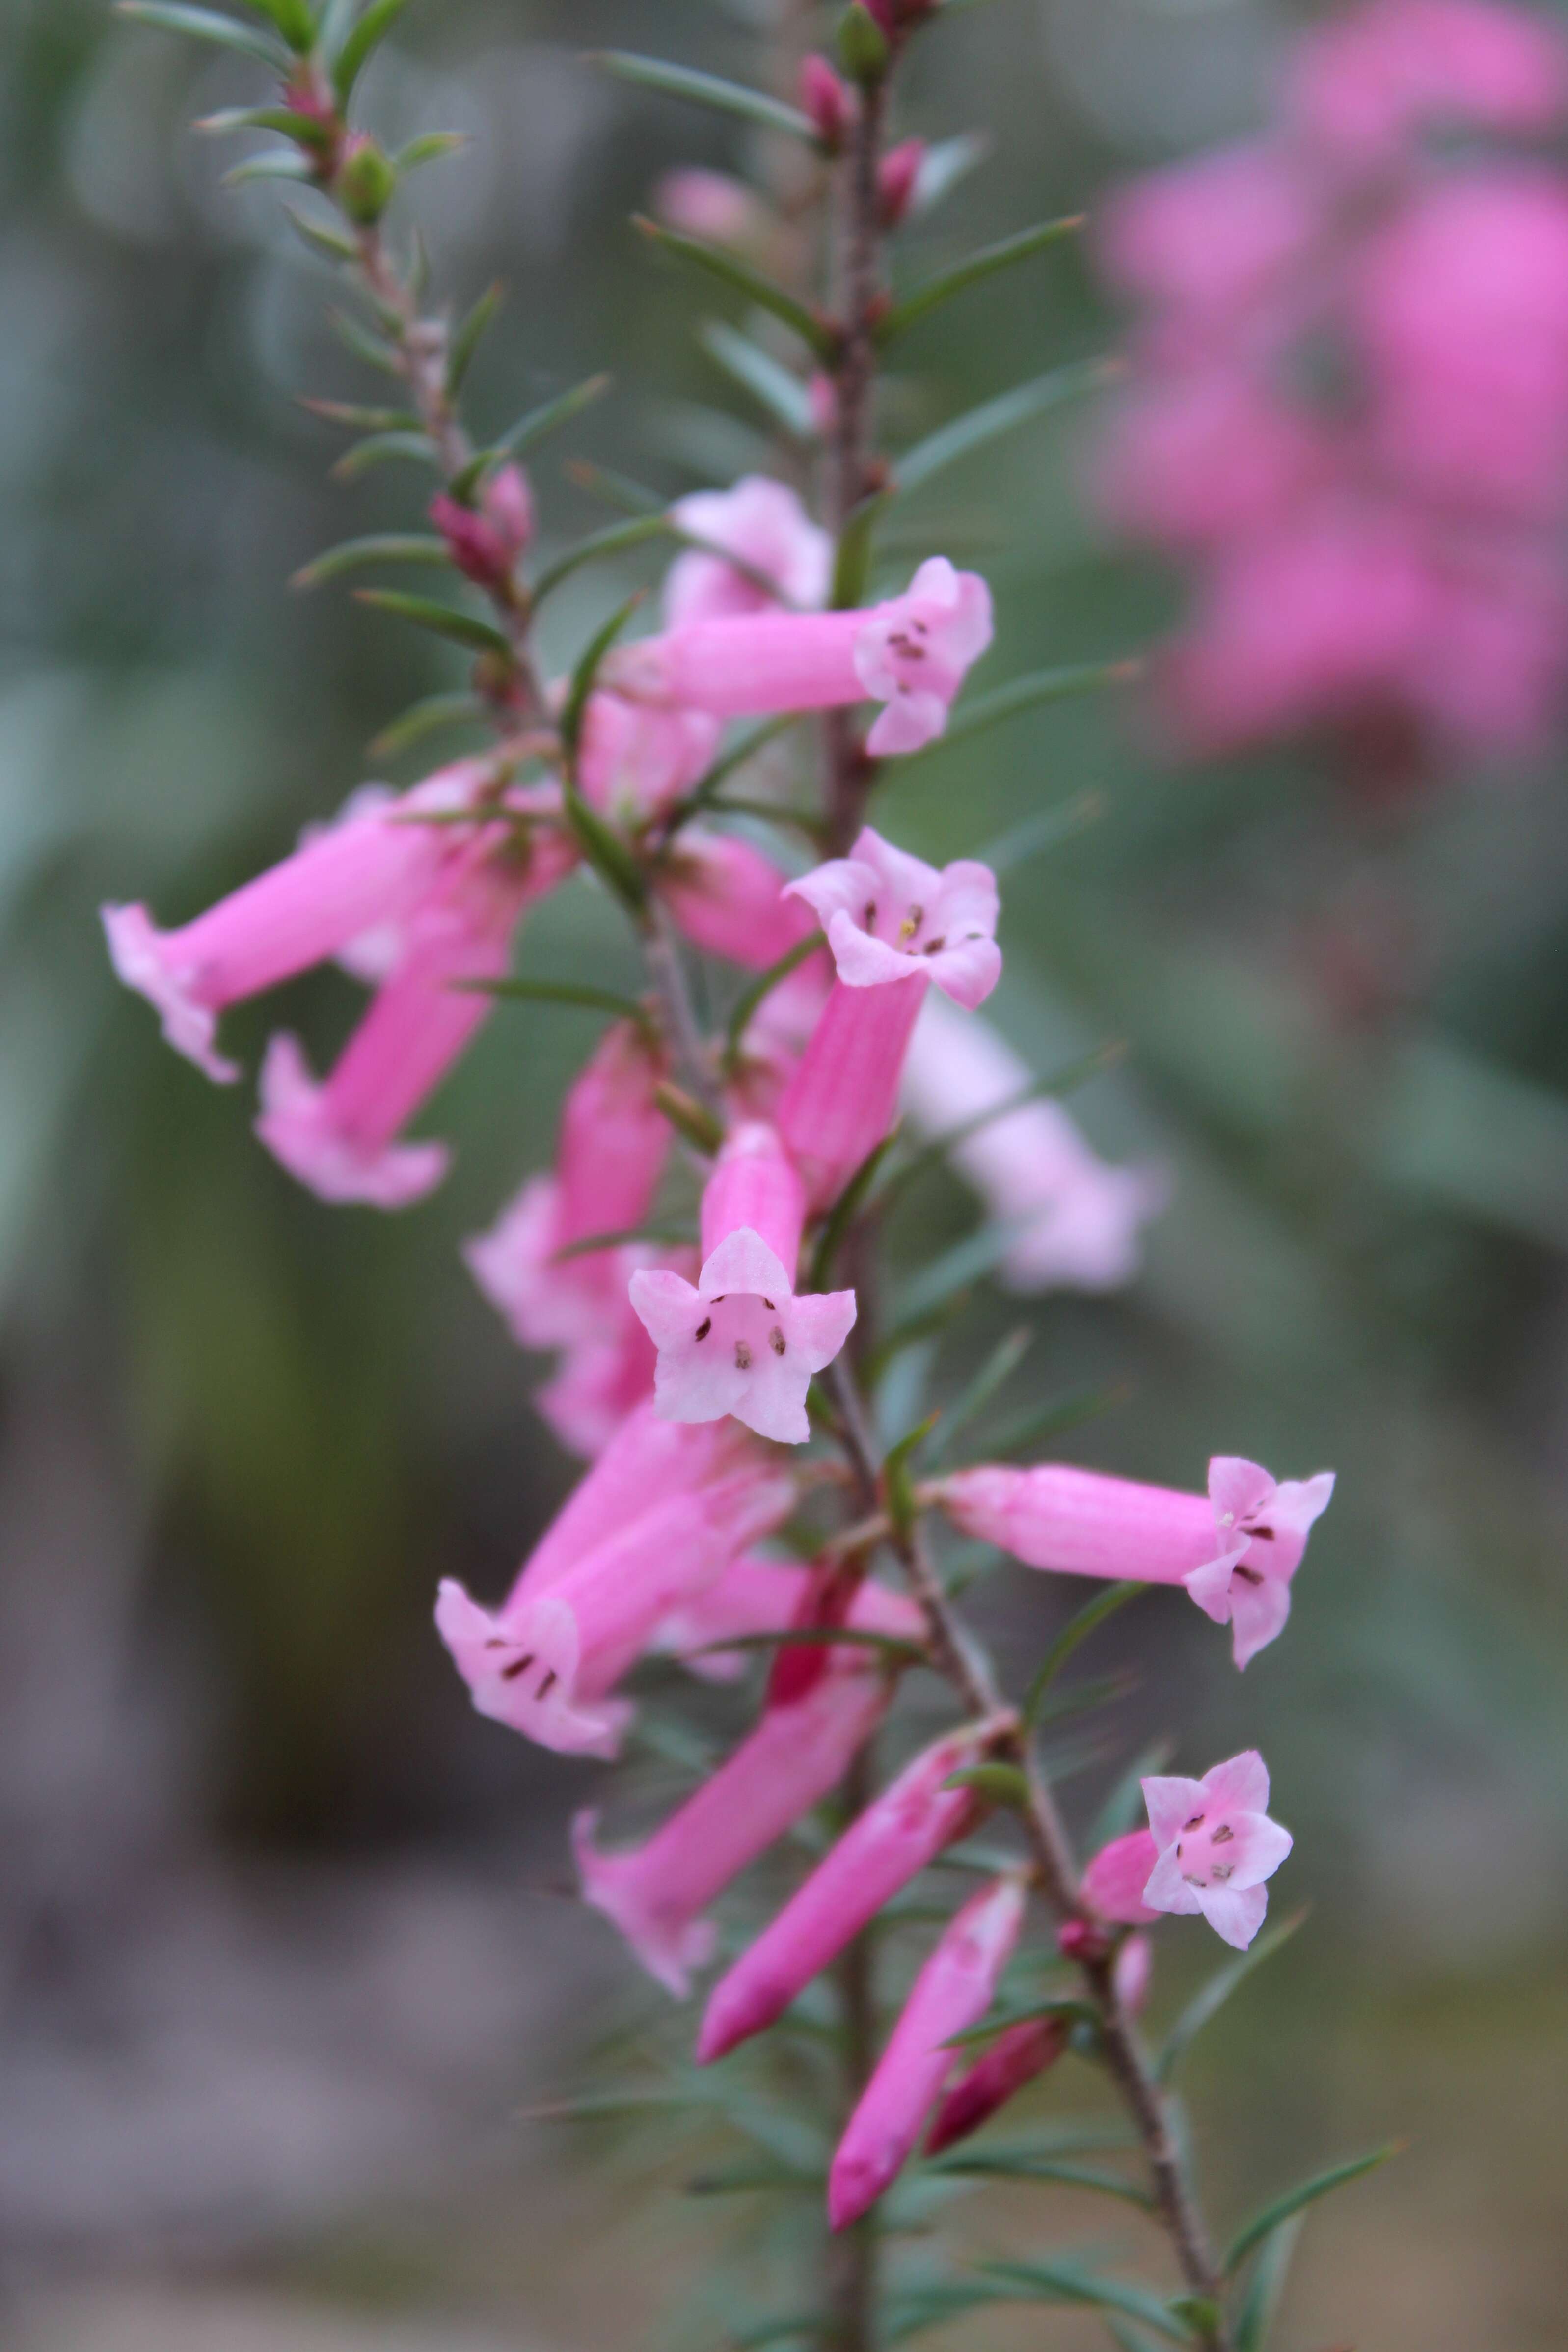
{"points": [[634, 760], [886, 1845], [1235, 1551], [910, 654], [796, 1756], [339, 1135], [1015, 2058], [728, 898], [486, 539], [765, 1596], [1114, 1881], [615, 1566], [952, 1992], [741, 1342], [763, 523], [375, 865], [828, 100], [1206, 237], [1077, 1219], [1364, 84], [898, 178], [1217, 1846]]}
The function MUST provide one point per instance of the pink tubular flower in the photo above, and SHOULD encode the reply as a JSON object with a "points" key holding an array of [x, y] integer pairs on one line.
{"points": [[952, 1993], [794, 1758], [338, 1135], [610, 1571], [1114, 1881], [893, 923], [741, 1342], [910, 654], [1217, 1846], [729, 899], [763, 524], [1077, 1219], [374, 866], [1235, 1551], [890, 1843], [765, 1596], [633, 759]]}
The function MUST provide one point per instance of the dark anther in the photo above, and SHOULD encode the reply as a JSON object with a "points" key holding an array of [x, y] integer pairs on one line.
{"points": [[776, 1340], [1247, 1575], [1196, 1823], [518, 1666], [705, 1326], [1223, 1835]]}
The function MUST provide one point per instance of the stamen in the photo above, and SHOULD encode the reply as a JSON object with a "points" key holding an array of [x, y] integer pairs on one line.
{"points": [[1223, 1835], [547, 1683], [1247, 1575], [1220, 1871], [1196, 1823], [1264, 1535], [743, 1357], [705, 1326], [911, 922], [518, 1666], [869, 914], [776, 1340], [935, 947]]}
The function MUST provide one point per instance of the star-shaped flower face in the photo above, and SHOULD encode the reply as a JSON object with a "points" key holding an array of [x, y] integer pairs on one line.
{"points": [[1263, 1525], [1217, 1846], [913, 654], [525, 1674], [888, 915], [740, 1342]]}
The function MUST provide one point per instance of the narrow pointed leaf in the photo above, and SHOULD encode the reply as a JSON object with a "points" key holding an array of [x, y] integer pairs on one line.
{"points": [[562, 991], [742, 2180], [1062, 2283], [364, 420], [1064, 1081], [1066, 2005], [1076, 1630], [385, 450], [276, 163], [1305, 2193], [852, 557], [366, 37], [762, 986], [1025, 693], [429, 147], [793, 1637], [971, 1400], [987, 2164], [293, 20], [1084, 2136], [703, 793], [957, 1268], [383, 546], [616, 489], [659, 1236], [549, 417], [1212, 1997], [467, 337], [1120, 1810], [204, 24], [844, 1211], [281, 119], [424, 716], [1046, 830], [769, 382], [337, 17], [986, 424], [942, 166], [706, 90], [981, 264], [730, 269], [999, 1784], [615, 539], [1027, 1435], [327, 243], [793, 2327], [1265, 2288], [443, 620], [587, 670], [690, 1117]]}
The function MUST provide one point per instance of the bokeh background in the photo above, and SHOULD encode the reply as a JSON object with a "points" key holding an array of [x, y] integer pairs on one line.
{"points": [[286, 1962]]}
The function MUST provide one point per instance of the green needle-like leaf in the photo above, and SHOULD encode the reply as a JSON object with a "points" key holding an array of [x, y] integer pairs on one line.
{"points": [[587, 670], [769, 382], [999, 1784], [204, 24], [1265, 2288], [844, 1211], [1033, 1430], [428, 148], [276, 163], [763, 986], [1121, 1807], [1062, 2283], [793, 1637], [424, 717], [563, 992], [973, 1399], [460, 629], [467, 337], [1023, 694], [852, 559], [1077, 1630], [550, 415], [964, 274], [366, 36], [987, 2164], [385, 449], [706, 90], [281, 119], [617, 539], [293, 20], [717, 261], [987, 422], [1046, 830], [383, 547], [1211, 1998], [1305, 2193]]}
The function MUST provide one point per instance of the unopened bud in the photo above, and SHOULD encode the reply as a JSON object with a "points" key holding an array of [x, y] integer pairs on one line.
{"points": [[1133, 1968], [898, 176], [485, 540], [366, 180], [1081, 1940], [507, 502], [827, 101], [710, 204], [863, 41]]}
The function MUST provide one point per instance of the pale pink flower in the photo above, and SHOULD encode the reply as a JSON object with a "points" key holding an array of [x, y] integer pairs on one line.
{"points": [[888, 916], [952, 1992], [634, 758], [1361, 86], [1235, 1551], [339, 1135], [710, 204], [1114, 1880], [1077, 1219], [1204, 239], [1209, 453], [588, 1601], [910, 654], [374, 865], [765, 1596], [601, 1377], [1217, 1846], [741, 1341], [797, 1755], [728, 898], [886, 1845], [763, 523]]}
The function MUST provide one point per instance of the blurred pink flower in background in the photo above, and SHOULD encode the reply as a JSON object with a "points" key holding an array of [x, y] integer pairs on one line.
{"points": [[1347, 412]]}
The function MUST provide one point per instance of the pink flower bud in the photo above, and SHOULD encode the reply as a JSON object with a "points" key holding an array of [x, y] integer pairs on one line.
{"points": [[898, 175], [1014, 2059], [1130, 1976], [763, 525], [952, 1993], [1217, 1846], [890, 1843], [485, 539], [796, 1756], [728, 898], [1235, 1551], [710, 204], [1114, 1881], [828, 100], [741, 1342]]}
